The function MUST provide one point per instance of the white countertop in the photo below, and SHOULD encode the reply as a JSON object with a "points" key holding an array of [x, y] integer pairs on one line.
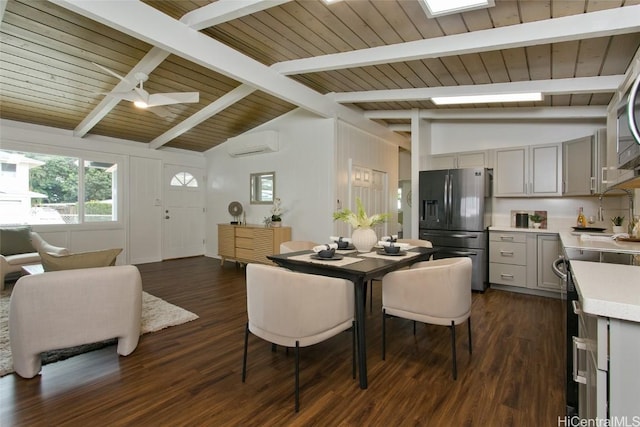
{"points": [[523, 230], [598, 243], [609, 290]]}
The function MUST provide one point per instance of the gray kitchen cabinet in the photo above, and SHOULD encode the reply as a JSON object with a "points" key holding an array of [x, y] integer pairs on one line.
{"points": [[608, 351], [508, 258], [548, 248], [521, 262], [531, 171], [471, 159], [583, 161]]}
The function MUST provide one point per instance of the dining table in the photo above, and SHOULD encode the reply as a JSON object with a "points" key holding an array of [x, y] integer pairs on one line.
{"points": [[359, 268]]}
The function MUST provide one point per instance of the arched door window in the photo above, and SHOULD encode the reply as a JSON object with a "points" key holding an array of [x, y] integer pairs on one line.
{"points": [[184, 179]]}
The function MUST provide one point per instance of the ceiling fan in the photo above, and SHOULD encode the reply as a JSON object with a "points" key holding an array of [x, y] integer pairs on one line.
{"points": [[142, 99]]}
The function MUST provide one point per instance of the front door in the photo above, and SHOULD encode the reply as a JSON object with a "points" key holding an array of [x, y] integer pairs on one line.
{"points": [[183, 212]]}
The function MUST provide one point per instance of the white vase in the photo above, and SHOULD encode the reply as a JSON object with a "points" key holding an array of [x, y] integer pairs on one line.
{"points": [[364, 239], [618, 229], [276, 224]]}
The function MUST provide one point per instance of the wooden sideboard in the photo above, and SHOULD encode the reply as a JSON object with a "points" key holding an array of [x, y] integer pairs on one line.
{"points": [[250, 243]]}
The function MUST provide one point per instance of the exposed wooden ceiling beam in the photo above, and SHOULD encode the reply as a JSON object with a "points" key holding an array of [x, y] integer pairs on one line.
{"points": [[210, 110], [598, 84], [575, 27], [225, 10], [175, 37]]}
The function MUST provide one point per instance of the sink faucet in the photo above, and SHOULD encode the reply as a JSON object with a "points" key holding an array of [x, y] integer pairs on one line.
{"points": [[629, 194]]}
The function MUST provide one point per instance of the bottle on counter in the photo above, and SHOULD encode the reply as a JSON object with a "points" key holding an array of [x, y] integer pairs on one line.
{"points": [[582, 220]]}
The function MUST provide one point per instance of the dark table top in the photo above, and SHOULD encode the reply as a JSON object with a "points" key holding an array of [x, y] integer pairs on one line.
{"points": [[366, 269]]}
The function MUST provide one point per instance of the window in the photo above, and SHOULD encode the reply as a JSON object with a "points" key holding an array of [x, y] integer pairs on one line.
{"points": [[263, 187], [49, 189], [184, 179], [8, 169]]}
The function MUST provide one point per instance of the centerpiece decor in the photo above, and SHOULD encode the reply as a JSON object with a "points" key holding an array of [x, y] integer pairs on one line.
{"points": [[363, 237], [276, 213]]}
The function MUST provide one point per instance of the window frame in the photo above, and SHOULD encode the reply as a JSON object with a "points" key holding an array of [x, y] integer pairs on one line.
{"points": [[81, 156]]}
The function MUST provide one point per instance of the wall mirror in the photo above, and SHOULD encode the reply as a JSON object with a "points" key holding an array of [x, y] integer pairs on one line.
{"points": [[262, 188]]}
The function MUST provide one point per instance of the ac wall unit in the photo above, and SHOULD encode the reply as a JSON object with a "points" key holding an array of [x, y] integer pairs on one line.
{"points": [[253, 143]]}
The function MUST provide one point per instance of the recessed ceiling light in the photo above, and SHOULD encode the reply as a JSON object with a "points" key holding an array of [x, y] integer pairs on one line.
{"points": [[485, 99], [435, 8]]}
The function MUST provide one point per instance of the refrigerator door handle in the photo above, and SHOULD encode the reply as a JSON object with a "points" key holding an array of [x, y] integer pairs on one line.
{"points": [[446, 199], [450, 201], [464, 236]]}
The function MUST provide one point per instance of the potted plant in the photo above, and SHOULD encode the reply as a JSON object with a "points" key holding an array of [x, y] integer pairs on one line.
{"points": [[537, 220], [276, 213], [363, 237], [617, 224]]}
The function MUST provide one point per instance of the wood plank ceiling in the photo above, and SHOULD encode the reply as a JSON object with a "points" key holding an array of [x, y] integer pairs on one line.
{"points": [[47, 76]]}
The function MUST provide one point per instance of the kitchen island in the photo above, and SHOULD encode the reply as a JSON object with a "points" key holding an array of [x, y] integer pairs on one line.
{"points": [[608, 343]]}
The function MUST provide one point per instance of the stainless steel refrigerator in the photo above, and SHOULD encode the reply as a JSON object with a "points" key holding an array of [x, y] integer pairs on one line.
{"points": [[455, 212]]}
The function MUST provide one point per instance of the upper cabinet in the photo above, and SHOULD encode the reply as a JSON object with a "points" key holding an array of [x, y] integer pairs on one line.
{"points": [[583, 161], [471, 159], [531, 171]]}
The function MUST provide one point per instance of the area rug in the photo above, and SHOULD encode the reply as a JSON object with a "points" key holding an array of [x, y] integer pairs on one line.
{"points": [[157, 314]]}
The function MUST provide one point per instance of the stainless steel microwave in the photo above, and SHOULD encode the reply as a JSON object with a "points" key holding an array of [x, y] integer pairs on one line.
{"points": [[628, 147]]}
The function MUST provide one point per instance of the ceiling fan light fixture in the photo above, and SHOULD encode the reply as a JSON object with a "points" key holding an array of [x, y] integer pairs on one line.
{"points": [[140, 104], [435, 8], [487, 99]]}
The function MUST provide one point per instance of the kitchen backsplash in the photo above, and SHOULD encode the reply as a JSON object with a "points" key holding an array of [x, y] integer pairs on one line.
{"points": [[561, 212]]}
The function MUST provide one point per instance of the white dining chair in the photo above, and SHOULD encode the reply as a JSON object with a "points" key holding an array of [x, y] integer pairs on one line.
{"points": [[413, 242], [436, 292], [296, 245], [296, 310]]}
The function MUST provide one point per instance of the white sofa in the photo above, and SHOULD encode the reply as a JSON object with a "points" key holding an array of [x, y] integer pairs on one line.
{"points": [[13, 263], [61, 309]]}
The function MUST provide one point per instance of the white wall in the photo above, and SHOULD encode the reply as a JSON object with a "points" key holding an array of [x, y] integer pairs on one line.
{"points": [[18, 136], [305, 179]]}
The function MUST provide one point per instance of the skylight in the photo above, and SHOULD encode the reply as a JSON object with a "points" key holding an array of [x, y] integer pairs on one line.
{"points": [[435, 8], [485, 99]]}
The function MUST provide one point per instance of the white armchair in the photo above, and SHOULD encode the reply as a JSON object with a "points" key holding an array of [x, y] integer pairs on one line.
{"points": [[296, 310], [436, 292], [61, 309], [13, 263]]}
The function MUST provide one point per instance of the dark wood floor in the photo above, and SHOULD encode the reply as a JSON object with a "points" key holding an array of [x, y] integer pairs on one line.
{"points": [[191, 374]]}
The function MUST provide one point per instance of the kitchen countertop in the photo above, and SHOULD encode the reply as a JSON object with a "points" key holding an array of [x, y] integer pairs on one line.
{"points": [[598, 243], [523, 230], [609, 290]]}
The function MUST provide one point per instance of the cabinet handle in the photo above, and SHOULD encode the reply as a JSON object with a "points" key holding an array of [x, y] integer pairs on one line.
{"points": [[506, 253], [576, 307], [506, 237], [506, 276], [593, 184], [578, 376]]}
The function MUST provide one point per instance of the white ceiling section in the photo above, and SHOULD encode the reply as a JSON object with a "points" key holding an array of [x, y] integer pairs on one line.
{"points": [[375, 64]]}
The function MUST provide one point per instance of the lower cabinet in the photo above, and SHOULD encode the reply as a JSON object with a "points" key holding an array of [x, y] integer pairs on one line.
{"points": [[250, 243], [607, 351], [523, 260]]}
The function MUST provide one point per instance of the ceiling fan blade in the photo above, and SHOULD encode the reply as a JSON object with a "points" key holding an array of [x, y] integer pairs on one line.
{"points": [[173, 98], [113, 73], [161, 112]]}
